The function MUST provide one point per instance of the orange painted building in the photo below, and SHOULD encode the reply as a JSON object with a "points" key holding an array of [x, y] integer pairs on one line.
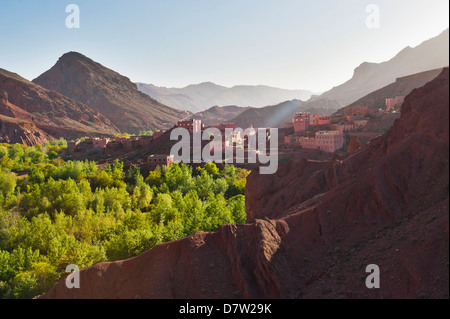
{"points": [[323, 120], [301, 122], [312, 118]]}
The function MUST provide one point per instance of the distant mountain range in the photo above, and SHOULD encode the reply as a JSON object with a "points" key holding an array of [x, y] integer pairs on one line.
{"points": [[401, 87], [217, 114], [113, 95], [199, 97], [79, 96], [278, 115], [369, 77]]}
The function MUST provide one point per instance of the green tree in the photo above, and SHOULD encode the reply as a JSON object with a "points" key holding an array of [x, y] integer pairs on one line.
{"points": [[236, 205], [212, 169], [154, 178], [17, 152], [3, 151], [216, 213], [193, 212], [7, 184]]}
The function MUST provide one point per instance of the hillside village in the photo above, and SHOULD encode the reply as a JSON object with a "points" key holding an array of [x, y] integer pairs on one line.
{"points": [[308, 134], [212, 191]]}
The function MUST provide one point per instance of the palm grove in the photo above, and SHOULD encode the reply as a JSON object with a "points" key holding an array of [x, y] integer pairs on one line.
{"points": [[73, 212]]}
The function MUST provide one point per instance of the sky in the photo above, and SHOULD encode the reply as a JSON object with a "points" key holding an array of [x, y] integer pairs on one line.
{"points": [[292, 44]]}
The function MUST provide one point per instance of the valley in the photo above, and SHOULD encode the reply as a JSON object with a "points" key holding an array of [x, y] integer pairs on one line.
{"points": [[216, 192]]}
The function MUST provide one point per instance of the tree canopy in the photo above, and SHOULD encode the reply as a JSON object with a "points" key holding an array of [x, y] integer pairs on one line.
{"points": [[75, 212]]}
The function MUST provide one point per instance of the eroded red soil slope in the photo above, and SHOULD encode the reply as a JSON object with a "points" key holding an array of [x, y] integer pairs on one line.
{"points": [[315, 226]]}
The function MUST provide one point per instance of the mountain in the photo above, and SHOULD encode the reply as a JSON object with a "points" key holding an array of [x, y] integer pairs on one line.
{"points": [[314, 227], [217, 114], [401, 87], [199, 97], [31, 114], [278, 115], [369, 77], [108, 92], [377, 100]]}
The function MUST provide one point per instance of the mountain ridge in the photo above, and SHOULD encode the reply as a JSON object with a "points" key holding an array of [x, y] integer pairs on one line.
{"points": [[280, 114], [199, 97], [37, 112], [368, 76], [112, 94]]}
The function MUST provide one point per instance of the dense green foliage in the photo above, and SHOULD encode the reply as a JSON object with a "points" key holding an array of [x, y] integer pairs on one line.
{"points": [[54, 213], [143, 133]]}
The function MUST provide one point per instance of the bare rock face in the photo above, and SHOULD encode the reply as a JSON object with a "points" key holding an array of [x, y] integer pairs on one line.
{"points": [[354, 145], [3, 97], [314, 227], [26, 134]]}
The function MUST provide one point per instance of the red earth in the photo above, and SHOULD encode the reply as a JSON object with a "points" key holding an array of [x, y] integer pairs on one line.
{"points": [[314, 227]]}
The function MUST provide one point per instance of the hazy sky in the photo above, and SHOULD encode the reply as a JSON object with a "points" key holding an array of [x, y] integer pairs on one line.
{"points": [[292, 44]]}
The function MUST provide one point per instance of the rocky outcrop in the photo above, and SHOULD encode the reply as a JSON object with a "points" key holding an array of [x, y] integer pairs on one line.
{"points": [[22, 133], [353, 145], [24, 104], [109, 93], [314, 227]]}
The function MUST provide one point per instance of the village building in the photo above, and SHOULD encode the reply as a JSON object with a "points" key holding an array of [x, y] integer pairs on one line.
{"points": [[361, 123], [329, 141], [301, 122], [153, 161], [307, 142], [322, 120], [391, 103], [100, 143], [120, 139], [357, 122], [289, 125], [358, 110], [144, 140], [312, 118], [158, 134], [192, 126]]}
